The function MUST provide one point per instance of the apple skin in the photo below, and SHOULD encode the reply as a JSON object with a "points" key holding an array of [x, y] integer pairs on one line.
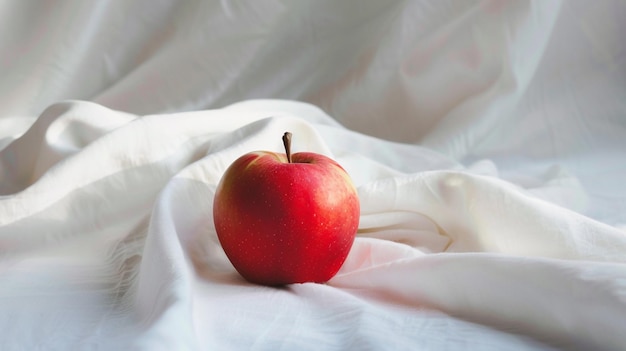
{"points": [[282, 222]]}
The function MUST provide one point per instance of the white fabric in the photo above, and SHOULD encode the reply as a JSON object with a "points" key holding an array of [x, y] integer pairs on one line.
{"points": [[486, 139]]}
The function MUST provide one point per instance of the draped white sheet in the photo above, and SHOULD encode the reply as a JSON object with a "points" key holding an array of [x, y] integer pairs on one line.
{"points": [[486, 139]]}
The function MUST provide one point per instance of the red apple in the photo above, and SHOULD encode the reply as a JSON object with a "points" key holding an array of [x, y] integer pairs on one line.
{"points": [[283, 218]]}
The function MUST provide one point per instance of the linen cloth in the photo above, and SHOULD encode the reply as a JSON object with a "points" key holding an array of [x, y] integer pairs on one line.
{"points": [[486, 140]]}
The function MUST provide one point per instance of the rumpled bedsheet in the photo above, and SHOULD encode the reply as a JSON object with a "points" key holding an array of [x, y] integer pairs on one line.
{"points": [[486, 139], [108, 242]]}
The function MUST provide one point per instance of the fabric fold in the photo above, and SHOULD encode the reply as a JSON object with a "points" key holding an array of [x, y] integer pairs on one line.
{"points": [[136, 193]]}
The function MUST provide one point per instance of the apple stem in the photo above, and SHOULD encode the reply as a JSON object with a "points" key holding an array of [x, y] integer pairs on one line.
{"points": [[287, 144]]}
